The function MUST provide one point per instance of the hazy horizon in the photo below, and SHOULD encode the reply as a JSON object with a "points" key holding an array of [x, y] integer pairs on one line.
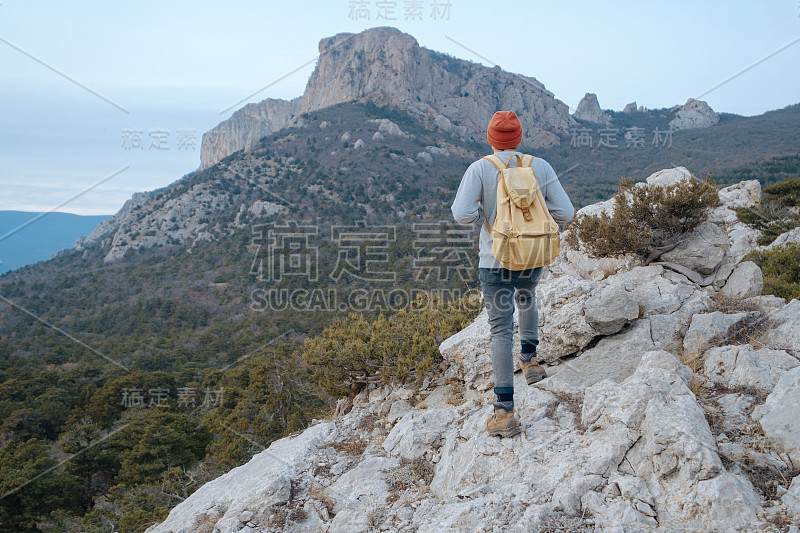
{"points": [[174, 68]]}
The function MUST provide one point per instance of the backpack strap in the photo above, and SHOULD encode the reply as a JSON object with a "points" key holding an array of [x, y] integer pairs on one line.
{"points": [[500, 166], [496, 161]]}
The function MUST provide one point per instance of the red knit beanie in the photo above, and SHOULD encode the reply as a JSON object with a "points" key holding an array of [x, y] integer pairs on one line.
{"points": [[504, 130]]}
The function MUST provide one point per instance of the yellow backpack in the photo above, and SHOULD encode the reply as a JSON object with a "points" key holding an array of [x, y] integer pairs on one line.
{"points": [[524, 235]]}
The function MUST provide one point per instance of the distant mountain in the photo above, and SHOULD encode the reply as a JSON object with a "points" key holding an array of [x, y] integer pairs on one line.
{"points": [[41, 239], [389, 68]]}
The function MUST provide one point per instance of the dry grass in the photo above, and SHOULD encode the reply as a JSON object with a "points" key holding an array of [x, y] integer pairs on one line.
{"points": [[730, 306], [574, 403], [752, 334], [291, 513], [375, 518], [350, 447], [455, 391], [367, 422], [408, 475], [318, 493], [753, 331], [561, 523]]}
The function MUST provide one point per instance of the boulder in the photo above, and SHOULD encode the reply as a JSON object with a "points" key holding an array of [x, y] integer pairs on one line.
{"points": [[709, 328], [743, 194], [668, 177], [613, 358], [746, 281], [563, 329], [610, 309], [779, 416], [673, 452], [744, 240], [356, 492], [784, 239], [262, 485], [792, 498], [417, 432], [702, 251], [784, 331], [744, 366]]}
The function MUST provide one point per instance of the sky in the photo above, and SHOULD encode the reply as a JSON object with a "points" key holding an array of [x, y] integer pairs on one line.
{"points": [[102, 99]]}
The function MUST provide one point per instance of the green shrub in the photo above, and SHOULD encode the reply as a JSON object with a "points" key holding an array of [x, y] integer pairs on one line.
{"points": [[777, 212], [353, 351], [781, 270], [647, 221]]}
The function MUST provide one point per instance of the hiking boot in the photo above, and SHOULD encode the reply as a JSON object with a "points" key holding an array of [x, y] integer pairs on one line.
{"points": [[502, 423], [532, 371]]}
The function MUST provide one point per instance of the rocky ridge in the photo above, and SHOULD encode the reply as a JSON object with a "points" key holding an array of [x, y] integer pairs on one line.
{"points": [[390, 68], [670, 405]]}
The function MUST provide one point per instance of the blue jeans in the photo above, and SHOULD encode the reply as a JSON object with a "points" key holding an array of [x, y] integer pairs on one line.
{"points": [[501, 288]]}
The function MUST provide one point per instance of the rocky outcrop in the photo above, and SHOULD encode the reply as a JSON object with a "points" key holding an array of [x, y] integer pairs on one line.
{"points": [[630, 108], [660, 412], [589, 111], [389, 68], [692, 115], [245, 128]]}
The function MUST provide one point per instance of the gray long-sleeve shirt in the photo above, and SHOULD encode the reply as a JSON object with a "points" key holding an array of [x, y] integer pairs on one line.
{"points": [[477, 195]]}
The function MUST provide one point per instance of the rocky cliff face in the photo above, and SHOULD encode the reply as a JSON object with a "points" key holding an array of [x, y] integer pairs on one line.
{"points": [[388, 67], [694, 114], [246, 127], [664, 407]]}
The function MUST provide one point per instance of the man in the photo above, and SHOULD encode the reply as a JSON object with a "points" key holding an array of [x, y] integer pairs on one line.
{"points": [[475, 199]]}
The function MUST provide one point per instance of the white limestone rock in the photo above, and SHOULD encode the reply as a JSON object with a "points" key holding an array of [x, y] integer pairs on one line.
{"points": [[425, 157], [746, 281], [417, 432], [692, 115], [784, 333], [744, 366], [784, 239], [260, 486], [610, 309], [589, 110], [742, 194], [675, 453], [702, 251], [709, 328], [563, 329], [779, 416], [668, 177], [387, 127], [792, 498], [613, 358]]}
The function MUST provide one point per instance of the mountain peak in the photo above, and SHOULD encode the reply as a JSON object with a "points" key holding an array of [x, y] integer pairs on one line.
{"points": [[369, 38], [388, 67]]}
